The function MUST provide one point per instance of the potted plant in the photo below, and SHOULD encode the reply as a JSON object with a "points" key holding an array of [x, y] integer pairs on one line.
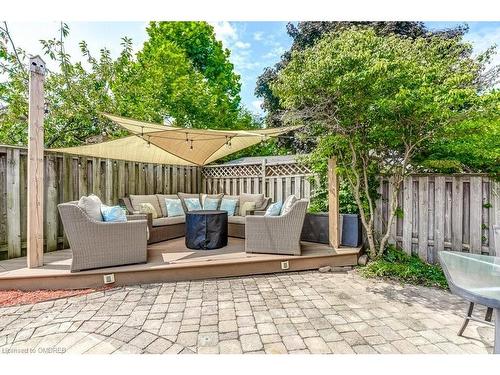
{"points": [[315, 227]]}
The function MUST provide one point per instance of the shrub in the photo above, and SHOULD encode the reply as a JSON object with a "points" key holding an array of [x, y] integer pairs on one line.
{"points": [[398, 266]]}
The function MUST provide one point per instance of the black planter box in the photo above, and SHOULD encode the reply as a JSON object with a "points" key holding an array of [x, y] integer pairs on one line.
{"points": [[315, 228], [351, 230]]}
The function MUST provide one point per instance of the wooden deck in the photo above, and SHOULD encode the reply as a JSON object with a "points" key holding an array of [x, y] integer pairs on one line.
{"points": [[169, 261]]}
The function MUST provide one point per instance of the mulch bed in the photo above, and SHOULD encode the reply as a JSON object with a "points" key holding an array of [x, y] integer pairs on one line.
{"points": [[19, 297]]}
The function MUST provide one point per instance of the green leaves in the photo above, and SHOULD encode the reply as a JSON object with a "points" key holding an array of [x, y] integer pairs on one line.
{"points": [[398, 266], [182, 74], [385, 90], [380, 102], [187, 75]]}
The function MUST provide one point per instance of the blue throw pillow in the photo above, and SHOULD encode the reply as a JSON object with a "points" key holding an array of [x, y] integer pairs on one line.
{"points": [[113, 213], [274, 209], [192, 204], [228, 205], [211, 203], [174, 207]]}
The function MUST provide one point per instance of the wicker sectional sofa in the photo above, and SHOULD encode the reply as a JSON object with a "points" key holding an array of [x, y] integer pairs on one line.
{"points": [[165, 228]]}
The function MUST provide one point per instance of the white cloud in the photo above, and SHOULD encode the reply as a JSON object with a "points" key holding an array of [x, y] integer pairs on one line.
{"points": [[483, 39], [258, 35], [224, 31], [230, 36], [242, 45], [257, 104], [275, 53]]}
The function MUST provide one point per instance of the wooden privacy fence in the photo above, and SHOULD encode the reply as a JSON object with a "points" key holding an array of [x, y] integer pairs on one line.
{"points": [[67, 178], [442, 212], [276, 180]]}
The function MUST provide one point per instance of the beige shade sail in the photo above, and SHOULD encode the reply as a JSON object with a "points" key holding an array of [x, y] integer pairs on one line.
{"points": [[155, 143]]}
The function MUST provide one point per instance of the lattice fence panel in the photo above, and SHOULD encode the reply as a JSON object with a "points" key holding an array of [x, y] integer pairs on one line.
{"points": [[287, 170], [251, 170]]}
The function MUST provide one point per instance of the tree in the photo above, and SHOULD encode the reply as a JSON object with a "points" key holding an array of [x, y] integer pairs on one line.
{"points": [[186, 74], [306, 34], [182, 75], [379, 100], [472, 145], [75, 94]]}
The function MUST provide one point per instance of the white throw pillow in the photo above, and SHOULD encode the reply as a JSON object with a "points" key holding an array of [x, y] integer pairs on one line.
{"points": [[287, 205], [92, 206]]}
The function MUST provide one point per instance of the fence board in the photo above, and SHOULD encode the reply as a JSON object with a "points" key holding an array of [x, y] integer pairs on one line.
{"points": [[13, 204], [23, 199], [67, 178], [494, 214], [407, 214], [447, 211], [108, 187], [82, 176], [3, 198], [423, 216], [392, 238], [96, 175], [476, 197], [439, 213], [436, 210], [51, 214], [121, 181], [456, 214]]}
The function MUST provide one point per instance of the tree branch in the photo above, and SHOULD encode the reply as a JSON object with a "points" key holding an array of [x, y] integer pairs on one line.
{"points": [[7, 32]]}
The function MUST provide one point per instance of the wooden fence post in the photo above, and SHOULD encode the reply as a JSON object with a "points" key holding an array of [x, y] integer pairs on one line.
{"points": [[333, 203], [35, 163]]}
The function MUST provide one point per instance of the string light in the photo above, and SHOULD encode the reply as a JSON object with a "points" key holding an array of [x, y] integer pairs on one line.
{"points": [[187, 138], [191, 144]]}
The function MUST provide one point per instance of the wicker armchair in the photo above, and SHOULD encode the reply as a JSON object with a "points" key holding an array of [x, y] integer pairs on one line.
{"points": [[97, 244], [276, 234]]}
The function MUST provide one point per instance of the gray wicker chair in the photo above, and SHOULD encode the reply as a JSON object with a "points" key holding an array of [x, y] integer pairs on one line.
{"points": [[97, 244], [276, 234]]}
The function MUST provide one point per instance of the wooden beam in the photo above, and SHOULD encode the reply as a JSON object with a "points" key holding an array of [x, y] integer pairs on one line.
{"points": [[35, 163], [333, 204]]}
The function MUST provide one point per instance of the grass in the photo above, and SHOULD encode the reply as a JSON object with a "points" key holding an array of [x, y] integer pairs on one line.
{"points": [[398, 266]]}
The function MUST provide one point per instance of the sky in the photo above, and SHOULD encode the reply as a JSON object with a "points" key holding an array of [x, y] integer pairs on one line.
{"points": [[253, 45]]}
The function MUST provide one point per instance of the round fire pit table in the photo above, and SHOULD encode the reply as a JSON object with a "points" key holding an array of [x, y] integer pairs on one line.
{"points": [[206, 230]]}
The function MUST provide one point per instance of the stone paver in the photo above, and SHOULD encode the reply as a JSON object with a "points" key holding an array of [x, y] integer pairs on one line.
{"points": [[304, 312]]}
